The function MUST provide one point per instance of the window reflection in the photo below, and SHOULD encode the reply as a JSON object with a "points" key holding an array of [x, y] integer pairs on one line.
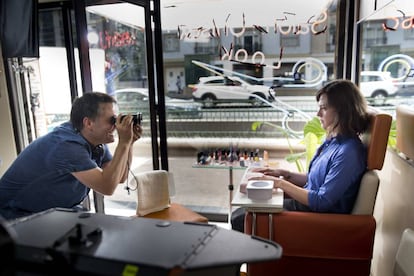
{"points": [[245, 62], [48, 76], [250, 59], [259, 49], [387, 57]]}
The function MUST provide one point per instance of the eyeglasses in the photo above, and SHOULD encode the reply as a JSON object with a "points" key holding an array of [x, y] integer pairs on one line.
{"points": [[113, 120]]}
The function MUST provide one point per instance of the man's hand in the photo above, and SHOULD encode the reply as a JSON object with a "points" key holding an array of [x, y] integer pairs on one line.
{"points": [[124, 127], [137, 129]]}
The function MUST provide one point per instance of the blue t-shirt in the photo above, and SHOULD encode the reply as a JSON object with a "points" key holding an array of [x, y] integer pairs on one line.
{"points": [[334, 175], [40, 178]]}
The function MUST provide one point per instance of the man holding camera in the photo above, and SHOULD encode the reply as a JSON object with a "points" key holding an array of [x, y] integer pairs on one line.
{"points": [[59, 168]]}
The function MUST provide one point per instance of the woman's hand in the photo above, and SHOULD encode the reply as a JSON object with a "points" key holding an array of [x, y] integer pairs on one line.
{"points": [[277, 181], [291, 189], [271, 172]]}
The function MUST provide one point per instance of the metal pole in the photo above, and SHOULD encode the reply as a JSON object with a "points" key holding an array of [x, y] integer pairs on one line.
{"points": [[231, 187]]}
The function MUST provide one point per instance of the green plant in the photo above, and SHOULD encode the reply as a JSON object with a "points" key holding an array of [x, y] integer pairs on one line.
{"points": [[313, 136], [392, 138]]}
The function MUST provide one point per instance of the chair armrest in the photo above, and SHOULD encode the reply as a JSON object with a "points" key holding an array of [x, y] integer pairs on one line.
{"points": [[318, 235]]}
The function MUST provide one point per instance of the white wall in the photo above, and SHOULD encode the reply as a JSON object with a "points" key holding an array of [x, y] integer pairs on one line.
{"points": [[394, 211], [7, 144], [394, 207]]}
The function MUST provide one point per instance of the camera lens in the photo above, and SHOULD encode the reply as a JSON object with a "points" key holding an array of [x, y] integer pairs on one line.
{"points": [[135, 119]]}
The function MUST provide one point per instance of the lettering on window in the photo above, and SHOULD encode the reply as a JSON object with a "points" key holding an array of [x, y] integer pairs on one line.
{"points": [[314, 26]]}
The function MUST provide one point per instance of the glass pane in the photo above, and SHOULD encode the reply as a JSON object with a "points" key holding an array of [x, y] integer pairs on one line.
{"points": [[248, 71], [387, 60], [48, 76], [237, 80], [116, 35]]}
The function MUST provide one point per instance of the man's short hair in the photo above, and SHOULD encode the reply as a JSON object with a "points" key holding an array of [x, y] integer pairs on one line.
{"points": [[87, 106]]}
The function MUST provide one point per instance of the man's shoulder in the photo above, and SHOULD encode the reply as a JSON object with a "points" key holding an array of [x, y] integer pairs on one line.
{"points": [[67, 134]]}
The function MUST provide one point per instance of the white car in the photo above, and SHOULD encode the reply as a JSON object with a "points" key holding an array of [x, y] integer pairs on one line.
{"points": [[377, 85], [133, 100], [229, 89]]}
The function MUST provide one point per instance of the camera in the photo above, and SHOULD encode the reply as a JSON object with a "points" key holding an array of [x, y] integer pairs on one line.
{"points": [[136, 118]]}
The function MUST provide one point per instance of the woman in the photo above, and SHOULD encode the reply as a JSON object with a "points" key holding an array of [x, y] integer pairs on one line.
{"points": [[332, 182]]}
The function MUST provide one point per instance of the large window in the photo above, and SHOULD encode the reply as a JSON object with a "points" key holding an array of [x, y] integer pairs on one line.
{"points": [[227, 69], [245, 64], [387, 56], [48, 77], [237, 80]]}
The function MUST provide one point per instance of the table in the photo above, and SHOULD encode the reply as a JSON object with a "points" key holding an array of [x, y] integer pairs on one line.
{"points": [[230, 166], [96, 244], [273, 205]]}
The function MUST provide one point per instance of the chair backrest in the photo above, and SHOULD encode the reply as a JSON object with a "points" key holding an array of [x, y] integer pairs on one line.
{"points": [[404, 265], [153, 192], [376, 139], [405, 130], [367, 194]]}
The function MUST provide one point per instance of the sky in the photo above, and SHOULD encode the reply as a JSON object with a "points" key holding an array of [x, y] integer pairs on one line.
{"points": [[230, 13], [201, 13]]}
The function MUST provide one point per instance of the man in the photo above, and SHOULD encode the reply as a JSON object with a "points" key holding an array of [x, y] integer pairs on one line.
{"points": [[59, 168]]}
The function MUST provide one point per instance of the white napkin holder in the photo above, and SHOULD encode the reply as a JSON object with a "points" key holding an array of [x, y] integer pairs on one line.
{"points": [[259, 189]]}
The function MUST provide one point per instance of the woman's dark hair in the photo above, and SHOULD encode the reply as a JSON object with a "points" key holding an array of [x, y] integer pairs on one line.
{"points": [[87, 106], [350, 105]]}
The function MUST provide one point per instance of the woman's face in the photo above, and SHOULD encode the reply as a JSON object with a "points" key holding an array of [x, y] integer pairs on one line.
{"points": [[326, 114]]}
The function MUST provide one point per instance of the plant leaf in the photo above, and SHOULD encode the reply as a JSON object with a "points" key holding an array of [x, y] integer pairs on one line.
{"points": [[314, 134], [311, 142], [295, 156], [314, 126], [392, 138], [256, 125]]}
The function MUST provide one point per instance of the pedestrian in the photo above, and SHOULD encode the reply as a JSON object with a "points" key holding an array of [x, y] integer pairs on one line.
{"points": [[179, 85]]}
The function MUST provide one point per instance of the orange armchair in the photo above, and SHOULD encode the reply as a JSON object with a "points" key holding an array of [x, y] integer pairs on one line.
{"points": [[327, 244]]}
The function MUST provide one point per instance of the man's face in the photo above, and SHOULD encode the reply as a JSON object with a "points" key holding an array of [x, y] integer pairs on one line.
{"points": [[102, 130]]}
